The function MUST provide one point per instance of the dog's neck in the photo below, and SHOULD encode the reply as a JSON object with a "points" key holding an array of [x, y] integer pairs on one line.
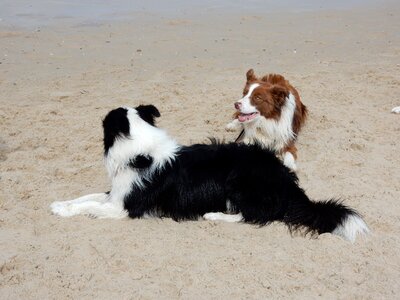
{"points": [[161, 147], [273, 134]]}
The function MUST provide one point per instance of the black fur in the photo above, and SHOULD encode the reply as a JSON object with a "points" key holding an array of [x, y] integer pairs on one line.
{"points": [[203, 177], [115, 125], [148, 113], [141, 162]]}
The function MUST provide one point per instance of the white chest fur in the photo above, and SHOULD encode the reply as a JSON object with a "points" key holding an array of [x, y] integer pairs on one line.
{"points": [[274, 134]]}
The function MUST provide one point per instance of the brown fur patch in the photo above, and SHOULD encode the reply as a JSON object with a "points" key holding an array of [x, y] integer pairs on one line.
{"points": [[271, 95]]}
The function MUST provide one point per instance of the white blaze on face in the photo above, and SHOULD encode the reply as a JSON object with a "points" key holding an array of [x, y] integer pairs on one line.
{"points": [[248, 112], [246, 107]]}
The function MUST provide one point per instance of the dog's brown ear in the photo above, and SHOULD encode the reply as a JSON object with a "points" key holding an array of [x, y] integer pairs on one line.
{"points": [[250, 75], [280, 93]]}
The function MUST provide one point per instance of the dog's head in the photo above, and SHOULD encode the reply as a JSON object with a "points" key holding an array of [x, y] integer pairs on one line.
{"points": [[262, 97], [124, 122]]}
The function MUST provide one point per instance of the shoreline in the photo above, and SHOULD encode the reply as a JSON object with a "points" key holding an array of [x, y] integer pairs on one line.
{"points": [[52, 14]]}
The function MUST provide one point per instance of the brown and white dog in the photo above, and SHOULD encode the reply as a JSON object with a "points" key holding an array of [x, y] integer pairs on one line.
{"points": [[271, 114]]}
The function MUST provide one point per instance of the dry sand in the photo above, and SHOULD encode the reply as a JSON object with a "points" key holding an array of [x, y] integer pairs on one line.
{"points": [[57, 83]]}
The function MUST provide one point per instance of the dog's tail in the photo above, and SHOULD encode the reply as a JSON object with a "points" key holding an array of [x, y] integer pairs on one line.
{"points": [[325, 216]]}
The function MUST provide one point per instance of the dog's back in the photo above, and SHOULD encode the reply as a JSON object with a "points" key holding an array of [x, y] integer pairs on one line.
{"points": [[201, 178], [245, 181]]}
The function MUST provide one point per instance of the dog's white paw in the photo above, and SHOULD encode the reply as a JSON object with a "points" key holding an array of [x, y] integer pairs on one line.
{"points": [[213, 216], [396, 110], [232, 126], [61, 208], [219, 216], [289, 161]]}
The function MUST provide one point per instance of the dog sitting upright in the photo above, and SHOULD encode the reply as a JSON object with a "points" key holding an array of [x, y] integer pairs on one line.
{"points": [[270, 113]]}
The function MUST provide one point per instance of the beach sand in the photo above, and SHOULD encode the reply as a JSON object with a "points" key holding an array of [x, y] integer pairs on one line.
{"points": [[58, 82]]}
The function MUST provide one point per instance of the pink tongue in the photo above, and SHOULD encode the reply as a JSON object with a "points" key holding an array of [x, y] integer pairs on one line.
{"points": [[242, 118]]}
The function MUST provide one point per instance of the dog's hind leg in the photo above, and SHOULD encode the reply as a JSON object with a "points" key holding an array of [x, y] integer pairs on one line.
{"points": [[219, 216]]}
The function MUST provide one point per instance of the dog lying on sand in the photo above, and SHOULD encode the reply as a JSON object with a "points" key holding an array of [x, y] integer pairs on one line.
{"points": [[152, 176]]}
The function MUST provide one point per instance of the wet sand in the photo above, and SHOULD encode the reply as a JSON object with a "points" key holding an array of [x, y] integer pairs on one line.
{"points": [[57, 82]]}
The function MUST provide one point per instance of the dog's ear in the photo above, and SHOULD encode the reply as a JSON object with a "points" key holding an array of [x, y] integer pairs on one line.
{"points": [[280, 93], [148, 113], [115, 124], [250, 75]]}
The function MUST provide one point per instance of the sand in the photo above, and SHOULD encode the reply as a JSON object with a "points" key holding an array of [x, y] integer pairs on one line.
{"points": [[58, 82]]}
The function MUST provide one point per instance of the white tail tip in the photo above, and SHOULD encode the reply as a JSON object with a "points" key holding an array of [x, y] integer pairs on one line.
{"points": [[351, 227]]}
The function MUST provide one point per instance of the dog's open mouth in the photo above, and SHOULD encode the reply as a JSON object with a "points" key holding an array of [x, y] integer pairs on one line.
{"points": [[247, 117]]}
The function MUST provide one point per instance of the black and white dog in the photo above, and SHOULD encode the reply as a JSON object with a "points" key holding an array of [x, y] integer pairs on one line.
{"points": [[152, 175]]}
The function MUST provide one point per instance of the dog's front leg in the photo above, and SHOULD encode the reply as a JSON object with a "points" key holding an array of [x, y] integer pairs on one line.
{"points": [[234, 125], [289, 161], [98, 197], [95, 205], [62, 208]]}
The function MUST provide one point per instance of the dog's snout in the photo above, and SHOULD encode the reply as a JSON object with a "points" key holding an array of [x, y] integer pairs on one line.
{"points": [[238, 105]]}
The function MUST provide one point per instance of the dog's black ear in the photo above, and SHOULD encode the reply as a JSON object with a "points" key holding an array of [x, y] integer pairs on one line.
{"points": [[250, 75], [148, 113], [115, 124]]}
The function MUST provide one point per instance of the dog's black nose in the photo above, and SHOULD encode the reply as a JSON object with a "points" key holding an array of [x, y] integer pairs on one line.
{"points": [[238, 105]]}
